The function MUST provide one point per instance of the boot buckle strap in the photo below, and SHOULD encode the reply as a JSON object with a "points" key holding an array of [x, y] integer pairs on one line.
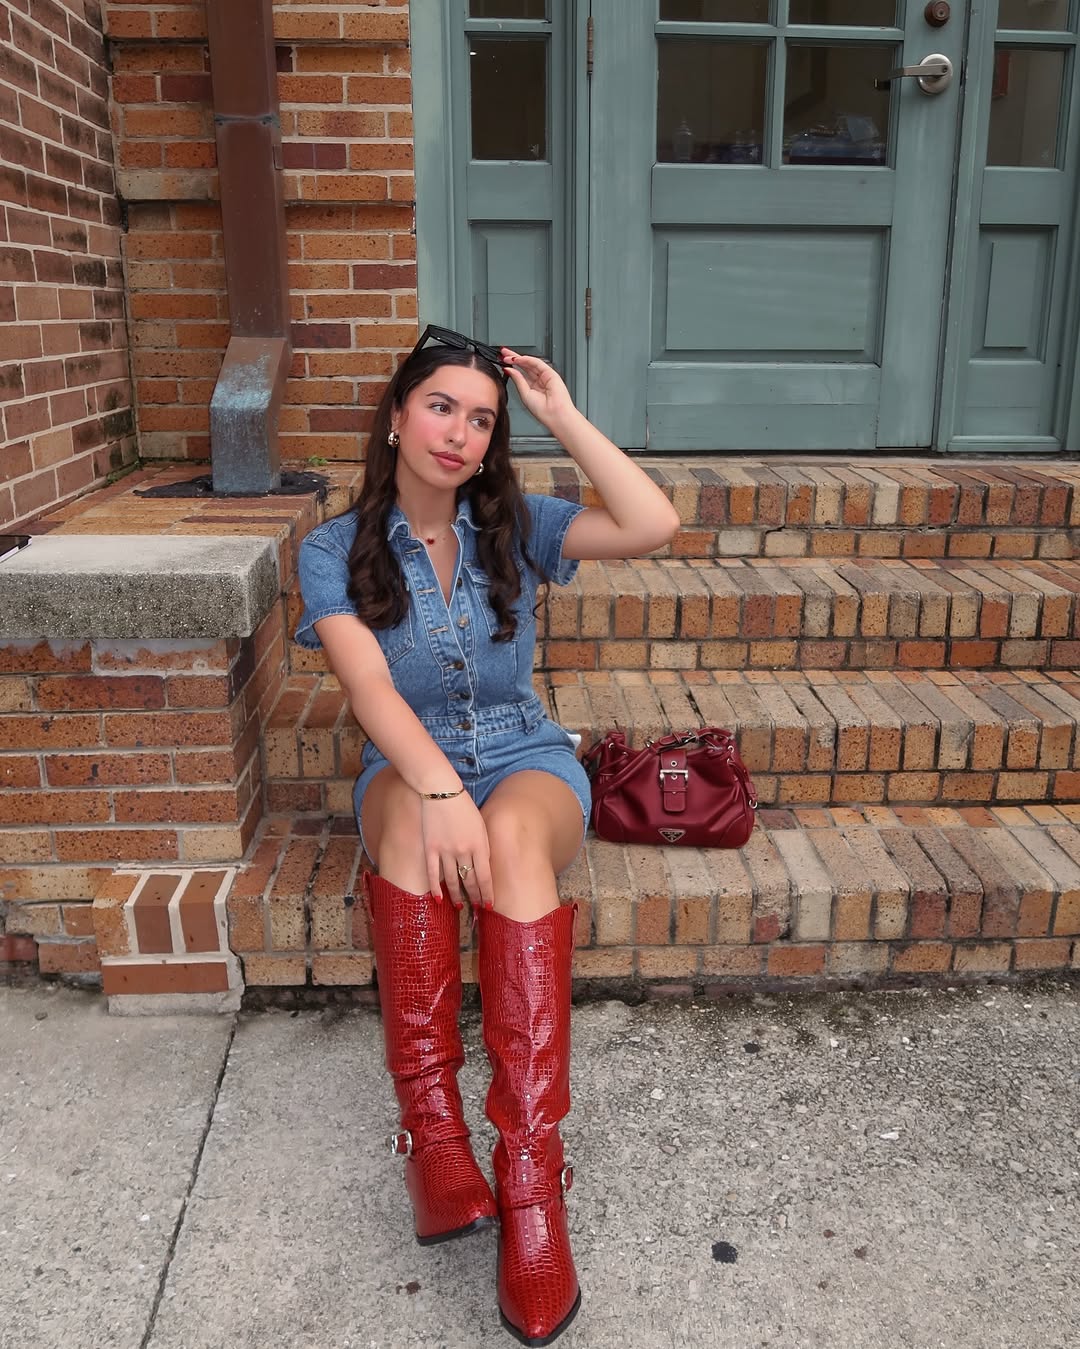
{"points": [[401, 1144], [566, 1180]]}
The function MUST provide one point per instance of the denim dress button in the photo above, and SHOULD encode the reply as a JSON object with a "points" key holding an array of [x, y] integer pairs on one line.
{"points": [[464, 725], [463, 621]]}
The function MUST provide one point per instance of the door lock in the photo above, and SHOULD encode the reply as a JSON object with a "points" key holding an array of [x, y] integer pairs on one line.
{"points": [[934, 74], [937, 13]]}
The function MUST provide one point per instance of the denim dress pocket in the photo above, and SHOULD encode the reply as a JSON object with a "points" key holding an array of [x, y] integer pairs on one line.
{"points": [[397, 641]]}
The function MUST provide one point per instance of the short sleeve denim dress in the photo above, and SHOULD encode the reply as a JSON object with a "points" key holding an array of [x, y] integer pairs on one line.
{"points": [[474, 696]]}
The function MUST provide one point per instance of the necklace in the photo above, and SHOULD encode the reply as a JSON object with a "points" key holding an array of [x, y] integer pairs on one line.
{"points": [[429, 539]]}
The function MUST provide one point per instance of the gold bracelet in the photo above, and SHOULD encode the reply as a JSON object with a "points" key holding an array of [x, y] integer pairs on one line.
{"points": [[439, 796]]}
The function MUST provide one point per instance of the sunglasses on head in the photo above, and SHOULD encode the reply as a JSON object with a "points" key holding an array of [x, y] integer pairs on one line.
{"points": [[446, 337]]}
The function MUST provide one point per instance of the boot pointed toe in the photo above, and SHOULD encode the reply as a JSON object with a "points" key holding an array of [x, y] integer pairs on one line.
{"points": [[538, 1288]]}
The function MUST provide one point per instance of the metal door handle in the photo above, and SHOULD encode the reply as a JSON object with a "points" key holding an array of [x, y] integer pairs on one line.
{"points": [[934, 74]]}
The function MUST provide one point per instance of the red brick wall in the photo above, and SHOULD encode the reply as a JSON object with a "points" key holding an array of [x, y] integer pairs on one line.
{"points": [[347, 127], [65, 393]]}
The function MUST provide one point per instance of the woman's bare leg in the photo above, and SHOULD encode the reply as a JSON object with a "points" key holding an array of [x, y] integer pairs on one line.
{"points": [[534, 828], [390, 817]]}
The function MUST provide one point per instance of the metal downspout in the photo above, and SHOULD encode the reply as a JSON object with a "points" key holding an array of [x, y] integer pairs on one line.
{"points": [[247, 398]]}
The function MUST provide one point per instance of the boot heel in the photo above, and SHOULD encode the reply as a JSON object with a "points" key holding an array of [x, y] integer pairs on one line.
{"points": [[479, 1225]]}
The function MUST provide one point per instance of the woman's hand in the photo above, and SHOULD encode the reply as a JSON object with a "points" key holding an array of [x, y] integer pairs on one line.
{"points": [[541, 390], [456, 850]]}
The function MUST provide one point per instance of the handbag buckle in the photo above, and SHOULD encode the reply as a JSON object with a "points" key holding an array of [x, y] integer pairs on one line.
{"points": [[683, 773]]}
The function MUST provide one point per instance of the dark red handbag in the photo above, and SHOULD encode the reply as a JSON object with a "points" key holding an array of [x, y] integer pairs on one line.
{"points": [[690, 789]]}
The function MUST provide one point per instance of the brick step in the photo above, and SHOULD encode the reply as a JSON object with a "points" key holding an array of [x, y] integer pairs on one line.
{"points": [[810, 614], [798, 506], [864, 507], [819, 737], [816, 893]]}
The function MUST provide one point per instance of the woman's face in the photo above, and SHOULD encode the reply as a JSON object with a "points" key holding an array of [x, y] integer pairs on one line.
{"points": [[445, 426]]}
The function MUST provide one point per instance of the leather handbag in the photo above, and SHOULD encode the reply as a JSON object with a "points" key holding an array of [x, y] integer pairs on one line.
{"points": [[692, 789]]}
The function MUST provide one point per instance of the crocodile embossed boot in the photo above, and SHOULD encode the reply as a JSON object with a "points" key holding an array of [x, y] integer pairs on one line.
{"points": [[525, 989], [416, 945]]}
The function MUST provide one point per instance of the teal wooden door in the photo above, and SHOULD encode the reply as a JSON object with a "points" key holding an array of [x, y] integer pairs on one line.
{"points": [[500, 121], [1013, 307], [769, 229]]}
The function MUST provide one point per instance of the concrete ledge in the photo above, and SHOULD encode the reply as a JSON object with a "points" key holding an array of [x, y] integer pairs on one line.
{"points": [[137, 586]]}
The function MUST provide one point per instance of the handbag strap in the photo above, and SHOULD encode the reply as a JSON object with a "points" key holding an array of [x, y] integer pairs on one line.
{"points": [[674, 776]]}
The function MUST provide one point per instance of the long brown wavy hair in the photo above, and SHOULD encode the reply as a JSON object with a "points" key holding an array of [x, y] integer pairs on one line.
{"points": [[376, 585]]}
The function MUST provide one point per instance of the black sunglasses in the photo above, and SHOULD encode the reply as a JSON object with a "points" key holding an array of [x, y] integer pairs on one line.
{"points": [[446, 337]]}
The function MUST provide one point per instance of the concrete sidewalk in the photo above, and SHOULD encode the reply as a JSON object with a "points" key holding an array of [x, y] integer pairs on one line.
{"points": [[842, 1170]]}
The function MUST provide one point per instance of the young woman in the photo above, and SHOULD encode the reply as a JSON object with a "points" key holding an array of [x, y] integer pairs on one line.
{"points": [[423, 596]]}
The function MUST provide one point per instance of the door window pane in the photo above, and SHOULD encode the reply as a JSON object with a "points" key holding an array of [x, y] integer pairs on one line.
{"points": [[710, 101], [832, 112], [1024, 106], [1050, 15], [715, 11], [862, 13], [507, 9], [508, 97]]}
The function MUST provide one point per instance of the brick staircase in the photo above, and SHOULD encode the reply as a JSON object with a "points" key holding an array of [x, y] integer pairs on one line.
{"points": [[897, 646]]}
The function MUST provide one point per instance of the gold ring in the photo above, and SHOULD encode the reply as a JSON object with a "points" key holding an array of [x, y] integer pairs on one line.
{"points": [[464, 869]]}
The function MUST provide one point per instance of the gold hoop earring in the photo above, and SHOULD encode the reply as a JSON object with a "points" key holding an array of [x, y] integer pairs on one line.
{"points": [[393, 440]]}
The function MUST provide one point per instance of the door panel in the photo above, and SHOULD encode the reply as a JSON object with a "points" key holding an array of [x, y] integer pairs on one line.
{"points": [[1013, 304], [800, 219], [512, 285], [770, 291], [758, 406], [499, 126]]}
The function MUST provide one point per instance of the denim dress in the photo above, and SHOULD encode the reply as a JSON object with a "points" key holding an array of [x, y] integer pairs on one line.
{"points": [[473, 695]]}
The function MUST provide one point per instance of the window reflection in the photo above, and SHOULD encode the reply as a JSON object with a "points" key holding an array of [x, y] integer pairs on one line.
{"points": [[861, 13], [715, 11], [1024, 108], [833, 114], [1045, 15], [508, 97], [507, 9], [710, 101]]}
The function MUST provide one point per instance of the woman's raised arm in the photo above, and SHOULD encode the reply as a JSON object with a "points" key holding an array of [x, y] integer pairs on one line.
{"points": [[636, 516]]}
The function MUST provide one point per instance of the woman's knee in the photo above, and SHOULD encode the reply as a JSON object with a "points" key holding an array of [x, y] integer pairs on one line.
{"points": [[534, 824], [515, 832]]}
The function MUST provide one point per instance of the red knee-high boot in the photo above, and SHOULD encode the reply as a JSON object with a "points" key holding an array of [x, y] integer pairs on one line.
{"points": [[525, 989], [415, 940]]}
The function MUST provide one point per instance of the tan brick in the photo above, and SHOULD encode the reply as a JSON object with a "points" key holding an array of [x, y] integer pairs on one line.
{"points": [[983, 958], [341, 969], [796, 961], [1041, 955], [812, 885], [732, 961], [669, 962], [925, 957], [854, 958], [610, 963], [35, 920], [278, 970]]}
